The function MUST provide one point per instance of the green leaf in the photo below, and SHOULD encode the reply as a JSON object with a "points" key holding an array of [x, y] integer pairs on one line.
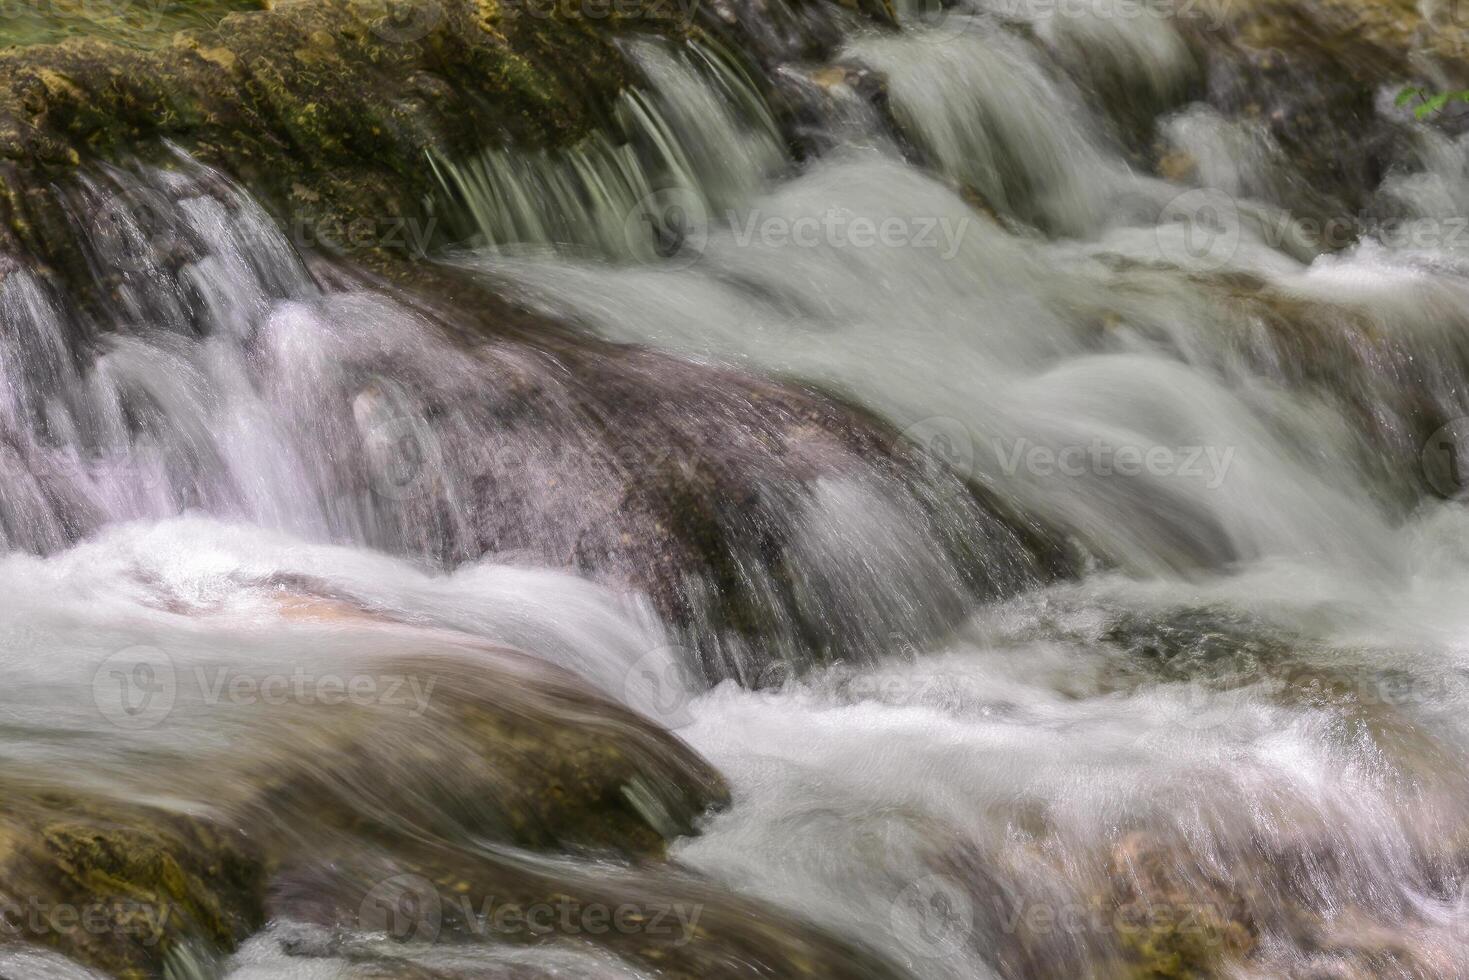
{"points": [[1434, 103], [1408, 94]]}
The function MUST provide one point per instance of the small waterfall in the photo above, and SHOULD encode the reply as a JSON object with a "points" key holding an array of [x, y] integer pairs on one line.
{"points": [[981, 512], [232, 384], [1077, 319], [983, 106], [700, 139]]}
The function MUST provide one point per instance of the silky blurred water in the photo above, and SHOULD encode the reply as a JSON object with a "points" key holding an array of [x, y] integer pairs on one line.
{"points": [[1246, 711]]}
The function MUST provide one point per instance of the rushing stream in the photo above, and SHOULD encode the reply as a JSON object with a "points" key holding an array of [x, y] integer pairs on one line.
{"points": [[1232, 730]]}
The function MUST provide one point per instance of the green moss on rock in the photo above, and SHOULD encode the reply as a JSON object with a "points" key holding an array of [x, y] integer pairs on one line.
{"points": [[122, 887], [324, 108]]}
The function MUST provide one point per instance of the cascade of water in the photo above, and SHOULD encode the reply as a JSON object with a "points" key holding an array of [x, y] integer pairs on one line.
{"points": [[1291, 492], [987, 111], [700, 139], [1250, 715]]}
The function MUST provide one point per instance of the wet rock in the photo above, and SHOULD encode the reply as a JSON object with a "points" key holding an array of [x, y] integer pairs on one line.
{"points": [[1312, 75], [1315, 97], [1177, 165], [142, 26], [505, 748], [325, 108], [708, 490], [447, 906], [121, 887], [493, 753], [1392, 374], [1174, 921]]}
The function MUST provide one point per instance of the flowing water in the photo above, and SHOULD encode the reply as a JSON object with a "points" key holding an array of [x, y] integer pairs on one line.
{"points": [[1233, 742]]}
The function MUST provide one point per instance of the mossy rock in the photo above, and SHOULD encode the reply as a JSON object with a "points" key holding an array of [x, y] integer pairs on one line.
{"points": [[121, 887], [694, 484], [324, 108], [144, 25], [1311, 75], [510, 749], [1171, 922], [664, 921], [509, 755]]}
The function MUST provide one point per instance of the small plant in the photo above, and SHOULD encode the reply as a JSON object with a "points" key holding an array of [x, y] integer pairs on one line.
{"points": [[1429, 102]]}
